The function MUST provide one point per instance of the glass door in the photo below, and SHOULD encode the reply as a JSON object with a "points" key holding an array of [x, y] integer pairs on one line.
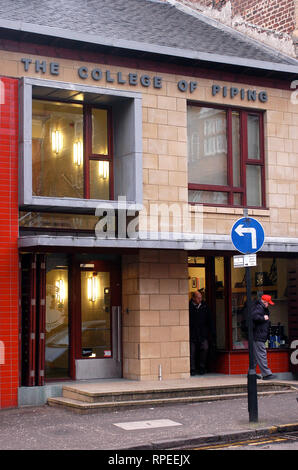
{"points": [[96, 331], [82, 318], [97, 314], [56, 318]]}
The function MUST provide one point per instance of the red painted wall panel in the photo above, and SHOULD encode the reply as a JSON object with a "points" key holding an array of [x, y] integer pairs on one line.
{"points": [[9, 347], [237, 363]]}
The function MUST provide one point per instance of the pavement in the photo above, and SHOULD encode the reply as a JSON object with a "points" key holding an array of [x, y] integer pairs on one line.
{"points": [[147, 428]]}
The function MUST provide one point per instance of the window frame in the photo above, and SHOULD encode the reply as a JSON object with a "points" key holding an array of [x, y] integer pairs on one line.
{"points": [[230, 189], [126, 107], [88, 155]]}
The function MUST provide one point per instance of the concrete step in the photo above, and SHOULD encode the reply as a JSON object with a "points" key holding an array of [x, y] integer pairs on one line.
{"points": [[86, 401], [97, 395]]}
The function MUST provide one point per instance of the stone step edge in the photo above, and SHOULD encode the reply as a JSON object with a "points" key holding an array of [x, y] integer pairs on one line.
{"points": [[92, 394], [72, 403]]}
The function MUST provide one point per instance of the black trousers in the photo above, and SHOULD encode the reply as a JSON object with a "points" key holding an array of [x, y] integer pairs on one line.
{"points": [[198, 354]]}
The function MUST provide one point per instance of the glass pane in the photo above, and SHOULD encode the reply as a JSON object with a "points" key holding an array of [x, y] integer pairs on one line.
{"points": [[57, 221], [239, 330], [99, 131], [253, 137], [57, 334], [196, 259], [57, 149], [236, 148], [254, 185], [237, 199], [220, 303], [196, 279], [96, 325], [99, 180], [207, 146], [270, 276], [208, 197]]}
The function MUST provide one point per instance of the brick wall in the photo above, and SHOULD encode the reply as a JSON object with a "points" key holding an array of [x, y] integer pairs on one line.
{"points": [[276, 15], [8, 242]]}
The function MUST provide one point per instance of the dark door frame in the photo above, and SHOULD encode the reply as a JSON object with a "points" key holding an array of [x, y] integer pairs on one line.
{"points": [[75, 302]]}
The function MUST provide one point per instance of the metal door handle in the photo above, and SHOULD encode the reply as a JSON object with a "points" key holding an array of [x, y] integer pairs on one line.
{"points": [[116, 322], [119, 334]]}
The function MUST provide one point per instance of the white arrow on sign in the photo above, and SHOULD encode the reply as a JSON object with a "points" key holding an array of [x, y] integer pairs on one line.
{"points": [[241, 230]]}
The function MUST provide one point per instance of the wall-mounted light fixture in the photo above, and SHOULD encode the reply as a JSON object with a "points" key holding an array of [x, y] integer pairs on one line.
{"points": [[60, 291], [92, 288], [103, 169], [78, 153], [57, 141]]}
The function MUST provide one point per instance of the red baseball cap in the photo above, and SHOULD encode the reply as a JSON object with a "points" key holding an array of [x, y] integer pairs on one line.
{"points": [[267, 298]]}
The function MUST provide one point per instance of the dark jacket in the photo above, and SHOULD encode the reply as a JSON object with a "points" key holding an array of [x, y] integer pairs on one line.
{"points": [[261, 326], [200, 322]]}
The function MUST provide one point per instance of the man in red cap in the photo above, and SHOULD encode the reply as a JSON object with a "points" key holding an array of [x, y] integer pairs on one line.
{"points": [[260, 316]]}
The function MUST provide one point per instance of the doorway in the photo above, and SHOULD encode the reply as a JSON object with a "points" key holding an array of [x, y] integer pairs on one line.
{"points": [[96, 300], [70, 317]]}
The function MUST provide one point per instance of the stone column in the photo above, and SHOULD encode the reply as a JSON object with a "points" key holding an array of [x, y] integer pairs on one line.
{"points": [[155, 315]]}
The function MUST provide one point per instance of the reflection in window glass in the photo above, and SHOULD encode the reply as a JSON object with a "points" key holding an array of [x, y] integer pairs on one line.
{"points": [[253, 137], [196, 259], [237, 199], [99, 131], [270, 276], [57, 221], [99, 179], [57, 334], [254, 185], [207, 146], [57, 149], [196, 279], [236, 147], [220, 303], [96, 325], [208, 197], [239, 332]]}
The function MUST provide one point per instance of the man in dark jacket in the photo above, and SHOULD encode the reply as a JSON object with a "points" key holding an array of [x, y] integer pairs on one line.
{"points": [[200, 328], [260, 316]]}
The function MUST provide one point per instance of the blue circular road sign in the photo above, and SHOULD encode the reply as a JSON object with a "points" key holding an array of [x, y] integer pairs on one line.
{"points": [[247, 235]]}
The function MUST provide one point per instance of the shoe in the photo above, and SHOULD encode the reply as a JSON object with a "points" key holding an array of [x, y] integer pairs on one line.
{"points": [[269, 377], [258, 377]]}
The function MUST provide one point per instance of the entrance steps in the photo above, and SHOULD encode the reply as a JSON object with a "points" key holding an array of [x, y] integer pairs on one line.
{"points": [[95, 397]]}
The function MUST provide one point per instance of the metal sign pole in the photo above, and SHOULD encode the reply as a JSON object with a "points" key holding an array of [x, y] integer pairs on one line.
{"points": [[248, 236], [252, 395]]}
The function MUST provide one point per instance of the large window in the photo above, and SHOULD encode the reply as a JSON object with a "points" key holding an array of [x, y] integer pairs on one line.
{"points": [[224, 289], [225, 156], [80, 146], [71, 151], [269, 277]]}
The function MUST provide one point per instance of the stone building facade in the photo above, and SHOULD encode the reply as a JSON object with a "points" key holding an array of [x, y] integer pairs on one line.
{"points": [[153, 153]]}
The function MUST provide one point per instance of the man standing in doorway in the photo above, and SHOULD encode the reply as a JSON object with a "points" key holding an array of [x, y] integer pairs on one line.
{"points": [[260, 316], [200, 326]]}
